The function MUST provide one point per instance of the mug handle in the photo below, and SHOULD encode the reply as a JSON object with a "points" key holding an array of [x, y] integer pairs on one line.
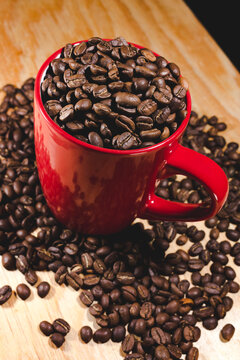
{"points": [[188, 162]]}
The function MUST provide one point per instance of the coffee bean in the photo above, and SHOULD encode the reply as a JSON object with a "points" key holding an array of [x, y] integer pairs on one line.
{"points": [[102, 335], [152, 134], [158, 335], [195, 264], [233, 235], [91, 280], [8, 261], [210, 323], [128, 343], [162, 353], [227, 332], [124, 141], [86, 297], [61, 326], [86, 334], [46, 328], [57, 339], [163, 96], [31, 277], [140, 327], [43, 289], [5, 294], [193, 354], [95, 139], [212, 289], [125, 278], [174, 351], [147, 107], [129, 293], [23, 291], [22, 264], [127, 99], [118, 333]]}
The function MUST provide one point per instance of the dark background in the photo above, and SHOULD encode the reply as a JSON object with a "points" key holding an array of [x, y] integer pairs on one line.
{"points": [[222, 20]]}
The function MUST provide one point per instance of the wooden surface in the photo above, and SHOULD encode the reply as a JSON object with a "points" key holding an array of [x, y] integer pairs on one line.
{"points": [[29, 32]]}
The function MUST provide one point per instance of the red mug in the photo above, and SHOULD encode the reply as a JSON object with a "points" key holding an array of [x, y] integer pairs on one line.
{"points": [[100, 191]]}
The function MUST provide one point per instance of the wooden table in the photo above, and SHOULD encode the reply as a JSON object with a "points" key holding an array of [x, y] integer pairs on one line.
{"points": [[29, 32]]}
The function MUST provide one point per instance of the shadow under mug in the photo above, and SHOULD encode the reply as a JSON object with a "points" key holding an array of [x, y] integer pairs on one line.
{"points": [[100, 191]]}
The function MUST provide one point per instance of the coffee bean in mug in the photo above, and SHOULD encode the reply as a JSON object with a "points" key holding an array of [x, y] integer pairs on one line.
{"points": [[74, 93], [110, 112]]}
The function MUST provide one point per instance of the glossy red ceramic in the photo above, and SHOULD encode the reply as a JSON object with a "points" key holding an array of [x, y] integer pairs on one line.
{"points": [[100, 191]]}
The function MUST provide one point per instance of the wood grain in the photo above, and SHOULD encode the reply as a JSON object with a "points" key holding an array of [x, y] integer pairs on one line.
{"points": [[29, 32]]}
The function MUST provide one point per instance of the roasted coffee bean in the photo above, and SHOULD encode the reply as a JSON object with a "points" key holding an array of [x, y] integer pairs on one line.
{"points": [[193, 354], [227, 332], [112, 78], [233, 235], [86, 334], [8, 261], [118, 333], [46, 328], [31, 277], [61, 326], [129, 293], [174, 351], [57, 339], [60, 274], [158, 335], [22, 264], [128, 343], [95, 139], [210, 323], [74, 280], [23, 291], [91, 280], [124, 141], [127, 99], [140, 327], [102, 335], [43, 289], [195, 264], [162, 353], [125, 278], [5, 294], [86, 297], [212, 289]]}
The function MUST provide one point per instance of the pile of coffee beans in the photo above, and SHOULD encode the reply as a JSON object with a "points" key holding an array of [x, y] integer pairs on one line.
{"points": [[133, 287], [57, 330], [112, 94]]}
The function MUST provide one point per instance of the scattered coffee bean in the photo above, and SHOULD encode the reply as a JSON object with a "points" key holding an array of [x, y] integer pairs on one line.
{"points": [[227, 332], [61, 326], [86, 334], [5, 294], [46, 328], [43, 289], [23, 291], [102, 335], [57, 339]]}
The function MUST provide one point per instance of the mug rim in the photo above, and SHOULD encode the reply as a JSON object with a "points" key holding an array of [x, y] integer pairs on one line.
{"points": [[38, 99]]}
